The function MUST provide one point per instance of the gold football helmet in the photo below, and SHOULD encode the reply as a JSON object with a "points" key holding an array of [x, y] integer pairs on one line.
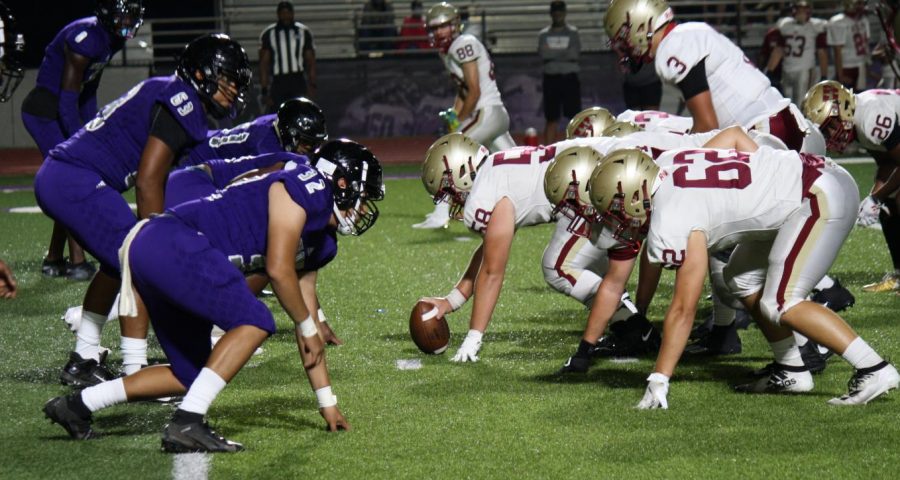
{"points": [[449, 169], [565, 185], [630, 24], [621, 129], [589, 123], [438, 16], [620, 191], [831, 107]]}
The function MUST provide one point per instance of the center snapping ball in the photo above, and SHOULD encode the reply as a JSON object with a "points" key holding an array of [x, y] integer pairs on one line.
{"points": [[429, 331]]}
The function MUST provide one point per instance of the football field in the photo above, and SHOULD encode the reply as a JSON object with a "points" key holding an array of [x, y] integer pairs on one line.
{"points": [[507, 416]]}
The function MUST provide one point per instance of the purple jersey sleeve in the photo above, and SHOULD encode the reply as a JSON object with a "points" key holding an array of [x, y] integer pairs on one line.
{"points": [[316, 250], [85, 37], [251, 138], [225, 170]]}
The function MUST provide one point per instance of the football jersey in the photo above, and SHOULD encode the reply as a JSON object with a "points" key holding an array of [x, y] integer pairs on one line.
{"points": [[236, 219], [852, 35], [654, 121], [112, 143], [87, 38], [224, 170], [730, 196], [876, 117], [467, 48], [800, 41], [250, 138], [741, 94], [517, 174]]}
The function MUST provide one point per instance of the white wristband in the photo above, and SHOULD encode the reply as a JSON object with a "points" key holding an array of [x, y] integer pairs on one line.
{"points": [[325, 397], [322, 318], [308, 327], [456, 299]]}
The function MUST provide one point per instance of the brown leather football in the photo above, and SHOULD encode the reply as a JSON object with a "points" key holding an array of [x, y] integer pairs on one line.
{"points": [[429, 331]]}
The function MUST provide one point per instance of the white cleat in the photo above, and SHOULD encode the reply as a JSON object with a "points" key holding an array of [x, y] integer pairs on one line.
{"points": [[439, 218], [782, 379], [866, 384]]}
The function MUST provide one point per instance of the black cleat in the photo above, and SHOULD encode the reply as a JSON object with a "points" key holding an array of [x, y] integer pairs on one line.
{"points": [[837, 298], [631, 337], [195, 437], [81, 373], [722, 340], [814, 360], [70, 413], [576, 365], [703, 330], [80, 272], [53, 268]]}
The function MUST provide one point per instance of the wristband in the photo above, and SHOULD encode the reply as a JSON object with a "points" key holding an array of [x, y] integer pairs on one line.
{"points": [[325, 397], [456, 299], [322, 318], [307, 327]]}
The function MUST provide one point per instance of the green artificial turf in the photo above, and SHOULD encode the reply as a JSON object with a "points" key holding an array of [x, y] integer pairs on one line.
{"points": [[507, 416]]}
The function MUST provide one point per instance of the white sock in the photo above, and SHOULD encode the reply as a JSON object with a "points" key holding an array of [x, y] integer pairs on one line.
{"points": [[203, 391], [800, 339], [861, 355], [104, 395], [825, 282], [134, 354], [723, 315], [786, 352], [87, 340]]}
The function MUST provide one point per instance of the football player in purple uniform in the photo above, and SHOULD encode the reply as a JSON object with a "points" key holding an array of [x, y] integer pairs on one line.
{"points": [[133, 142], [187, 266], [65, 98]]}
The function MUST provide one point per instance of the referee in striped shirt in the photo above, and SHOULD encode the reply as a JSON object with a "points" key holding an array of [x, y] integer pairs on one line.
{"points": [[286, 51]]}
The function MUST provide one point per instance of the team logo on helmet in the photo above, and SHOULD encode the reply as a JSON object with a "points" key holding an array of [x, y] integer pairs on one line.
{"points": [[831, 106], [589, 123], [620, 190], [566, 185]]}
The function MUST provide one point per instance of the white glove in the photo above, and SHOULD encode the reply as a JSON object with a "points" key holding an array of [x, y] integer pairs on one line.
{"points": [[868, 211], [655, 396], [468, 351]]}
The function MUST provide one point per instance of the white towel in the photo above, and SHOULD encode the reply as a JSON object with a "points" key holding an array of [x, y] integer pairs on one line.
{"points": [[127, 302]]}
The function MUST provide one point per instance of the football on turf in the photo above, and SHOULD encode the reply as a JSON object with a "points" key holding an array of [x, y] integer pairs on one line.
{"points": [[429, 331]]}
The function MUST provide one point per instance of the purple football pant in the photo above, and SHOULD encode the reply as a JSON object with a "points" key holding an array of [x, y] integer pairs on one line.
{"points": [[46, 132], [95, 214], [188, 184], [188, 286]]}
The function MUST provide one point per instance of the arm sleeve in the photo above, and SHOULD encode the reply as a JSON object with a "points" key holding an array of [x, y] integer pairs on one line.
{"points": [[836, 34], [694, 82], [166, 128]]}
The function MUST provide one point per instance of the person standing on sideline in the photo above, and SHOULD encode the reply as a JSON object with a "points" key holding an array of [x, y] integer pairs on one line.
{"points": [[559, 47], [848, 34], [286, 53]]}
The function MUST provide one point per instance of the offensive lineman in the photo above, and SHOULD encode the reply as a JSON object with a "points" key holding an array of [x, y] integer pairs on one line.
{"points": [[478, 110]]}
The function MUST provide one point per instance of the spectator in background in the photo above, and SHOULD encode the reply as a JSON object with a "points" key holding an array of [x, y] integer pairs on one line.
{"points": [[286, 52], [413, 29], [7, 282], [377, 22], [800, 41], [848, 33], [559, 47]]}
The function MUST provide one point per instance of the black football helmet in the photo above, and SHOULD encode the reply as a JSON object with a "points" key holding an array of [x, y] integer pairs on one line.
{"points": [[213, 57], [12, 48], [122, 18], [300, 122], [357, 183]]}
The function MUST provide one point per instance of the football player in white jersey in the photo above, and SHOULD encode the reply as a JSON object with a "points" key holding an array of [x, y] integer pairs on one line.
{"points": [[719, 84], [797, 207], [478, 110], [801, 41], [848, 35], [655, 121], [871, 118]]}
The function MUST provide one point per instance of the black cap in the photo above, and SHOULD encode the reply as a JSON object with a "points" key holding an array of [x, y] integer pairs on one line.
{"points": [[557, 6], [285, 6]]}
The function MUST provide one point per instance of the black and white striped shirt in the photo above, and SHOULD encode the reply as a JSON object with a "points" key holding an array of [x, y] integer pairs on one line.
{"points": [[287, 44]]}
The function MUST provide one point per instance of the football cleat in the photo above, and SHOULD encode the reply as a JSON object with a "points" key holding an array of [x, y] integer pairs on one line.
{"points": [[195, 437], [81, 373], [576, 365], [889, 283], [722, 340], [814, 360], [866, 384], [781, 379], [836, 297], [702, 331], [80, 272], [53, 268], [434, 220], [64, 411], [628, 338]]}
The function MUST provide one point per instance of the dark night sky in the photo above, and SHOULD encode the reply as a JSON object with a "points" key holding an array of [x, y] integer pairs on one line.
{"points": [[40, 20]]}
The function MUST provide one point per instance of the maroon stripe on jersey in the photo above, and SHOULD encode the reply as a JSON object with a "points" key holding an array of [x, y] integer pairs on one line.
{"points": [[473, 123], [795, 251], [784, 126], [812, 170], [562, 256]]}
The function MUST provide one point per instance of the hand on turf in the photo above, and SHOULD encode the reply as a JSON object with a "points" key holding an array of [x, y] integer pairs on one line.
{"points": [[328, 334], [7, 282], [441, 303], [312, 351], [334, 418], [655, 396], [468, 351], [869, 210]]}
